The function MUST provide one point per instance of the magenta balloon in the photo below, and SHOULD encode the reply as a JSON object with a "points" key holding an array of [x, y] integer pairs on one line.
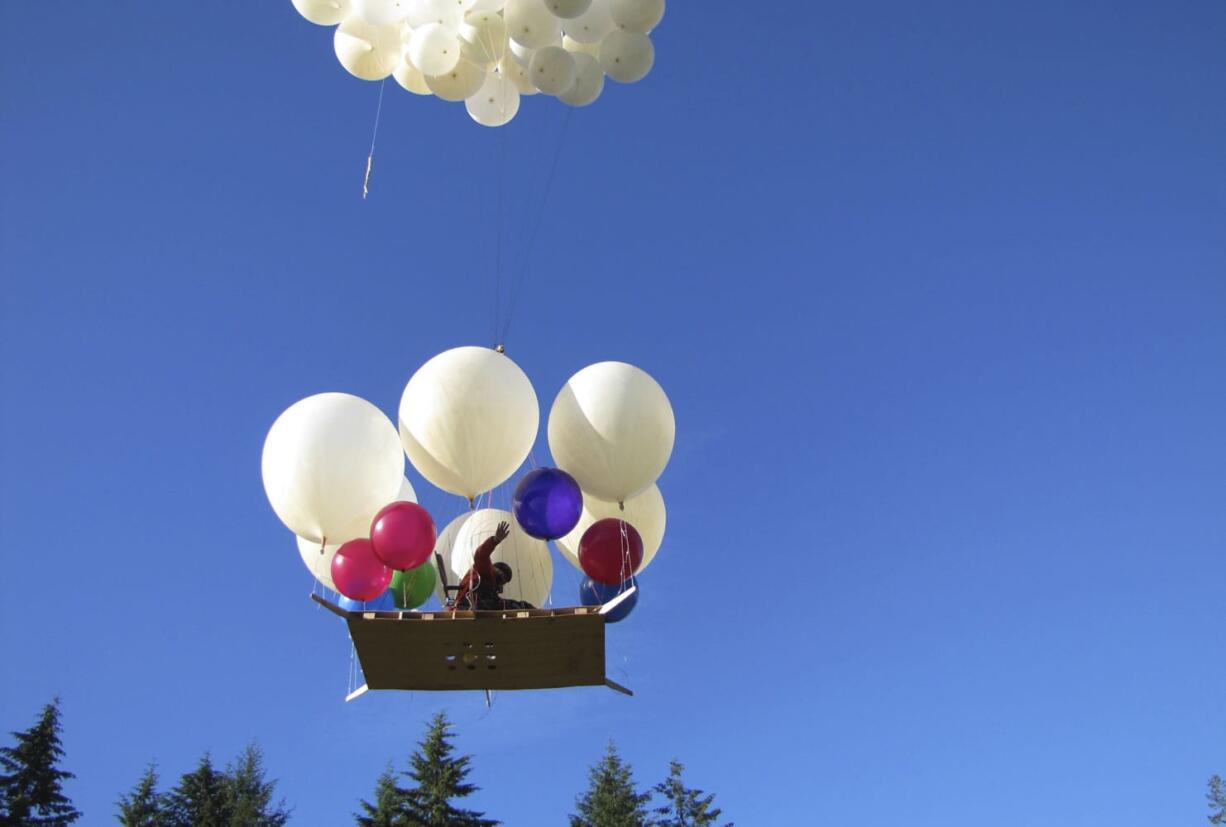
{"points": [[610, 550], [403, 535], [358, 572]]}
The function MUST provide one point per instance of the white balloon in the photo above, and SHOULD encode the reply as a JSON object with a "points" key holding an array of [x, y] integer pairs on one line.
{"points": [[468, 418], [572, 45], [531, 24], [522, 54], [366, 51], [434, 49], [444, 546], [488, 5], [327, 465], [381, 12], [517, 73], [645, 512], [639, 16], [612, 429], [484, 37], [323, 12], [446, 13], [626, 56], [592, 25], [318, 560], [495, 103], [411, 78], [528, 557], [553, 70], [589, 81], [567, 9], [460, 83]]}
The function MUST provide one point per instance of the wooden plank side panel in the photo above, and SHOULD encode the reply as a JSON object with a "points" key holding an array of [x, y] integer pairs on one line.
{"points": [[535, 652]]}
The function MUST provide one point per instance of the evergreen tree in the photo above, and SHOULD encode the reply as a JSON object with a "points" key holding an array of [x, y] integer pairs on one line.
{"points": [[438, 778], [1217, 800], [249, 795], [144, 806], [30, 791], [389, 807], [684, 807], [611, 801], [201, 799]]}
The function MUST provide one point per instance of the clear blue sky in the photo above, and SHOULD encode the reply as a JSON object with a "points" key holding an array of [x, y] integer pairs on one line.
{"points": [[939, 295]]}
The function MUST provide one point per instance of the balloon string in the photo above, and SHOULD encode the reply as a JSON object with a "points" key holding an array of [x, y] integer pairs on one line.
{"points": [[519, 279], [370, 159]]}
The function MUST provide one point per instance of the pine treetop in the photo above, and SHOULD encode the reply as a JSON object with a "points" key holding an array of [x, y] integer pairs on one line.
{"points": [[388, 809], [143, 806], [437, 778], [30, 786], [611, 800], [684, 807]]}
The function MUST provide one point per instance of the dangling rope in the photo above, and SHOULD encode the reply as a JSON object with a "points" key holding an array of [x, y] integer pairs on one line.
{"points": [[518, 281], [370, 159]]}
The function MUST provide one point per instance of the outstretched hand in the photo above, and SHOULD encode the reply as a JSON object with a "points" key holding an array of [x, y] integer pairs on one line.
{"points": [[502, 532]]}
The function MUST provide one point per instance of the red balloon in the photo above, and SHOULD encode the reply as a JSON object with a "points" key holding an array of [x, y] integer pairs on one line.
{"points": [[358, 573], [403, 535], [610, 550]]}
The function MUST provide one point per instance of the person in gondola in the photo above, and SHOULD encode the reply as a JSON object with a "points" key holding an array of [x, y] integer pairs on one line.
{"points": [[481, 587]]}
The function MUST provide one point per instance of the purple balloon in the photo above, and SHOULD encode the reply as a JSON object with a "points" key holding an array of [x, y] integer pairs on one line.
{"points": [[548, 503]]}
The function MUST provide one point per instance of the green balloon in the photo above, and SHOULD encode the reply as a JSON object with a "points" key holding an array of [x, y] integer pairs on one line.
{"points": [[412, 588]]}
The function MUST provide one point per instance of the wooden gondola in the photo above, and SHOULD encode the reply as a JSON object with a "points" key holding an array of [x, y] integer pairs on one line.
{"points": [[457, 650]]}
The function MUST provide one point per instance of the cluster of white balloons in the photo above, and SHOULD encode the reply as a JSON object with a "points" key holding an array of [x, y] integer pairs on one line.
{"points": [[488, 53], [467, 422]]}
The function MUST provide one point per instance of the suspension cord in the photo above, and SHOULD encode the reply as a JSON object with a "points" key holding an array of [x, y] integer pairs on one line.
{"points": [[375, 134]]}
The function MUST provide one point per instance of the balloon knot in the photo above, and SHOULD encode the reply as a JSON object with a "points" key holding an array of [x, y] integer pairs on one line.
{"points": [[500, 349]]}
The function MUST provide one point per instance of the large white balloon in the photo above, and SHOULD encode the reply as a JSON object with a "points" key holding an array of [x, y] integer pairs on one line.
{"points": [[411, 78], [483, 36], [460, 83], [572, 45], [318, 560], [589, 81], [637, 15], [612, 429], [447, 13], [444, 546], [495, 103], [434, 49], [568, 8], [381, 12], [468, 418], [531, 24], [593, 24], [517, 73], [528, 557], [645, 512], [327, 465], [626, 56], [366, 51], [552, 70], [488, 5], [323, 12]]}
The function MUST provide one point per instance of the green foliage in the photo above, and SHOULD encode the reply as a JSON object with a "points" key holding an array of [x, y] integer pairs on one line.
{"points": [[30, 792], [389, 807], [144, 806], [438, 777], [684, 807], [611, 801], [1217, 800], [249, 794], [201, 798]]}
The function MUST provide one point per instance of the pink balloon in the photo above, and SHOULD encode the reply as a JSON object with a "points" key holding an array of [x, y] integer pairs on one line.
{"points": [[403, 535], [358, 573]]}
